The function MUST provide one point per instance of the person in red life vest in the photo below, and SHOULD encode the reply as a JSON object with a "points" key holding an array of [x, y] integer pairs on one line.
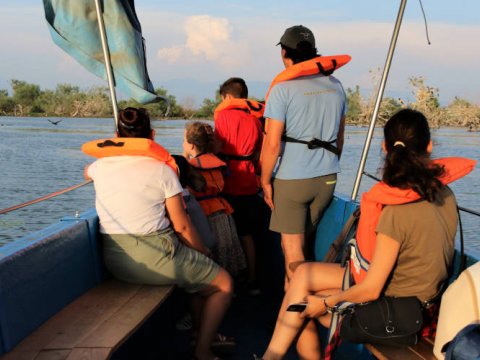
{"points": [[198, 143], [136, 188], [305, 121], [239, 132], [406, 235]]}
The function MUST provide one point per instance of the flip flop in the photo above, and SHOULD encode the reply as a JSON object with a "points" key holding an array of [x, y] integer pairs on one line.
{"points": [[220, 342]]}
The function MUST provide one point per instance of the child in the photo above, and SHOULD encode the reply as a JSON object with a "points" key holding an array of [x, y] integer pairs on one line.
{"points": [[198, 144]]}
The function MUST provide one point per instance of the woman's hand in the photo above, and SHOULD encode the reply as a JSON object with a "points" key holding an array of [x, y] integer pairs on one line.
{"points": [[315, 307]]}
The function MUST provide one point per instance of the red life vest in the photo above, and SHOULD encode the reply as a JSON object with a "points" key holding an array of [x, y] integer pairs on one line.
{"points": [[251, 106], [381, 194], [324, 65], [210, 168], [129, 146]]}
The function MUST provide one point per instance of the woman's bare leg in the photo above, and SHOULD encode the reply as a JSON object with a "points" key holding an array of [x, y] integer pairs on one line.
{"points": [[217, 300], [309, 278], [308, 343]]}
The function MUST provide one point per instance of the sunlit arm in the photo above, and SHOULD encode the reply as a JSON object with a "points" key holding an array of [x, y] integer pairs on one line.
{"points": [[341, 136], [182, 225], [384, 258], [269, 156], [85, 173]]}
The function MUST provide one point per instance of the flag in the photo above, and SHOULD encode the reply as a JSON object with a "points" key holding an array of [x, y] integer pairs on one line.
{"points": [[73, 27]]}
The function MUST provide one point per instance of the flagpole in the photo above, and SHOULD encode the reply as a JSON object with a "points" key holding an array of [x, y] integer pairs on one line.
{"points": [[378, 101], [108, 64]]}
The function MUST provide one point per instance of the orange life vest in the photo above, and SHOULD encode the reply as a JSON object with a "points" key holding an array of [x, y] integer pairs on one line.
{"points": [[251, 106], [381, 194], [210, 168], [324, 65], [129, 146]]}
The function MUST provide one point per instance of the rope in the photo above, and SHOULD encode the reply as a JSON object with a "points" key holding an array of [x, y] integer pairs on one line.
{"points": [[46, 197]]}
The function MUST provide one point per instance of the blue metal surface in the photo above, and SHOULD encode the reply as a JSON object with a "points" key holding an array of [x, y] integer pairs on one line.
{"points": [[43, 272], [332, 222]]}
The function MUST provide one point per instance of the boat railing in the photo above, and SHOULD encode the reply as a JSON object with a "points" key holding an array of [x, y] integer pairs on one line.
{"points": [[45, 197]]}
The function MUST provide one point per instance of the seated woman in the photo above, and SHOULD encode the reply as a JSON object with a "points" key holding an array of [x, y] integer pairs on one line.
{"points": [[411, 238], [141, 244]]}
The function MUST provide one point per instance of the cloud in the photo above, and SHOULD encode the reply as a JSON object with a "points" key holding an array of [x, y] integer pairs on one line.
{"points": [[171, 54], [207, 38]]}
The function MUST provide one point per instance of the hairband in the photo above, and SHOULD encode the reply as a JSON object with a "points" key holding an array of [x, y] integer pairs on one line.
{"points": [[399, 143], [129, 127]]}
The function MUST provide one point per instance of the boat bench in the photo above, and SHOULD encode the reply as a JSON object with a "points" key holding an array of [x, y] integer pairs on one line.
{"points": [[94, 325], [423, 350], [58, 302]]}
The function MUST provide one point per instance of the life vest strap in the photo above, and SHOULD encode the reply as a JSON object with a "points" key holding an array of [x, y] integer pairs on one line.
{"points": [[324, 72], [226, 157], [314, 144], [207, 197]]}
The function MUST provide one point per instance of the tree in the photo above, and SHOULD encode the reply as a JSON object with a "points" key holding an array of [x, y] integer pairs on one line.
{"points": [[355, 104], [24, 95], [463, 113], [7, 105], [208, 107], [426, 101]]}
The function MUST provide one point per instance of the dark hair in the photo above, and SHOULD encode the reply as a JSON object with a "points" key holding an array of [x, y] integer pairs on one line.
{"points": [[134, 122], [201, 135], [236, 87], [407, 162], [188, 175], [303, 52]]}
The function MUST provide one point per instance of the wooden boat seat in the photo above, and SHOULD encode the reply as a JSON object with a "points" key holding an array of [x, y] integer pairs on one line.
{"points": [[423, 350], [94, 325]]}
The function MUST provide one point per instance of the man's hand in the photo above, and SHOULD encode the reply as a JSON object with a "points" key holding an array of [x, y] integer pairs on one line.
{"points": [[268, 194]]}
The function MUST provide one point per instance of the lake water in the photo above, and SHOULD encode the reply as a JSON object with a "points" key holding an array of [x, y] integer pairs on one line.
{"points": [[38, 158]]}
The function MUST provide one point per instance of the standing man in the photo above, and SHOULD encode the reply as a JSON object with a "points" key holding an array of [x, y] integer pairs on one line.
{"points": [[305, 114], [239, 131]]}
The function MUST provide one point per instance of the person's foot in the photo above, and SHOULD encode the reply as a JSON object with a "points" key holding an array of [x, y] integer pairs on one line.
{"points": [[185, 323], [253, 288]]}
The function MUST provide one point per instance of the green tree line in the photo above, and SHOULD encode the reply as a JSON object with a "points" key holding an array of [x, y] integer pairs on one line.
{"points": [[71, 101]]}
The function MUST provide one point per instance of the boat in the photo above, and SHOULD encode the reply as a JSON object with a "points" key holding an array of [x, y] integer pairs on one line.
{"points": [[43, 273]]}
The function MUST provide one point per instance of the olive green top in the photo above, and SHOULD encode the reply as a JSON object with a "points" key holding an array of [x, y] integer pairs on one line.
{"points": [[426, 233]]}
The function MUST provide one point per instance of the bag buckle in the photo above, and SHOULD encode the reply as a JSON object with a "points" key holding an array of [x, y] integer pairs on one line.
{"points": [[389, 329]]}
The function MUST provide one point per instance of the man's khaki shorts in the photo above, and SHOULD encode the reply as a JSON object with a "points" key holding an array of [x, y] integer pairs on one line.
{"points": [[300, 203]]}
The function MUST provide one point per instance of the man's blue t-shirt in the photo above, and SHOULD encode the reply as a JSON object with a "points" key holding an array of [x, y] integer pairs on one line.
{"points": [[311, 107]]}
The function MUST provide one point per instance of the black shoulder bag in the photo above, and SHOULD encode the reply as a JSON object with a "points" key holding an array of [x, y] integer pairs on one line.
{"points": [[393, 321]]}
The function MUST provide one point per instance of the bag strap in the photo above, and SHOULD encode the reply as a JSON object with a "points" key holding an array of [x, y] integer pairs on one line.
{"points": [[343, 237]]}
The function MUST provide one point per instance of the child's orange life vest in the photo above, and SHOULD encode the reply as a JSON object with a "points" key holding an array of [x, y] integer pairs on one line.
{"points": [[210, 167]]}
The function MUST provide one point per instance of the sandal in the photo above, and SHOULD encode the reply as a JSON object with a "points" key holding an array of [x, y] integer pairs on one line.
{"points": [[220, 342]]}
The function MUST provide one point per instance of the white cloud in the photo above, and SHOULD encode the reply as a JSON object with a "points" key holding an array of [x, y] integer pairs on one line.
{"points": [[171, 54], [207, 38]]}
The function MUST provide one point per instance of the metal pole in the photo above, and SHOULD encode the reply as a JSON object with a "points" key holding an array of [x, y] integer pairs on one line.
{"points": [[378, 101], [108, 64]]}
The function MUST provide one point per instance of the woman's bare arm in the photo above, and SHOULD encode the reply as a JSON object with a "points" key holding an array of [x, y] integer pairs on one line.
{"points": [[182, 225]]}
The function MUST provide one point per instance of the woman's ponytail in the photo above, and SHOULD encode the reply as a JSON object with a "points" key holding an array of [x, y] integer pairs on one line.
{"points": [[407, 162]]}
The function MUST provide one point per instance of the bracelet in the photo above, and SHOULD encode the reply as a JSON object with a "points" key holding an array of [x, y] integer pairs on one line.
{"points": [[330, 309]]}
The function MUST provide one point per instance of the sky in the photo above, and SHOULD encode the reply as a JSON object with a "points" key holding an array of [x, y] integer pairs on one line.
{"points": [[194, 45]]}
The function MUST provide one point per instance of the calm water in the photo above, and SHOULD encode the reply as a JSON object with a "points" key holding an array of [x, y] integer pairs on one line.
{"points": [[38, 158]]}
